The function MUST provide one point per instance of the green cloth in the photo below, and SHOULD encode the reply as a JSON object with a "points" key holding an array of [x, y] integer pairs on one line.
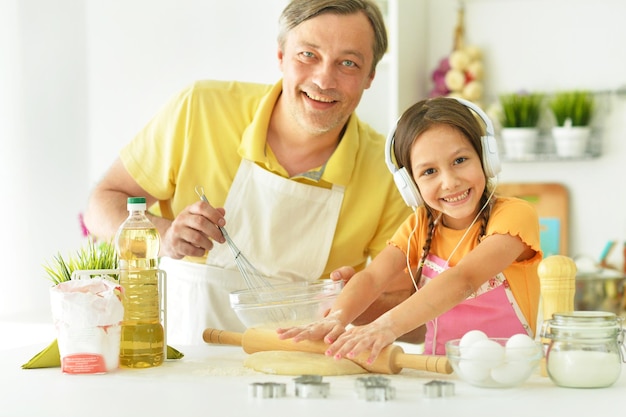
{"points": [[51, 358]]}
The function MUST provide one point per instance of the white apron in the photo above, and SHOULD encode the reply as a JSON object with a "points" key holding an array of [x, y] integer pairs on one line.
{"points": [[283, 227]]}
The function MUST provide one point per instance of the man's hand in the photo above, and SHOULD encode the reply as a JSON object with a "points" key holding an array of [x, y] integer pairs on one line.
{"points": [[193, 231], [343, 273]]}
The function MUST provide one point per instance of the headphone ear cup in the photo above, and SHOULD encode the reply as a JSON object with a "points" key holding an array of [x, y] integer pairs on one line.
{"points": [[491, 160], [407, 188]]}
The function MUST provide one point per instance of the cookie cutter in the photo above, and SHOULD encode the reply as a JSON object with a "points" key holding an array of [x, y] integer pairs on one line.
{"points": [[311, 386], [374, 388], [267, 390], [436, 388]]}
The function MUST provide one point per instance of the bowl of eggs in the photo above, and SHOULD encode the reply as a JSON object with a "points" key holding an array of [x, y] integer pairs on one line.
{"points": [[494, 362]]}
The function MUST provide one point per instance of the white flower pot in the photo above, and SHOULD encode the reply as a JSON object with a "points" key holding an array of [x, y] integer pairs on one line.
{"points": [[519, 142], [571, 141]]}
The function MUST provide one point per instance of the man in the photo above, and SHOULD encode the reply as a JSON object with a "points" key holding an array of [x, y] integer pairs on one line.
{"points": [[299, 182]]}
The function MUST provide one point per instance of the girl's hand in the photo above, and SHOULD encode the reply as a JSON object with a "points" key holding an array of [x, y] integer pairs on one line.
{"points": [[329, 328], [373, 337]]}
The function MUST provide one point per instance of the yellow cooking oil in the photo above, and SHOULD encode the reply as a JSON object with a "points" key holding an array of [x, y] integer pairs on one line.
{"points": [[142, 343]]}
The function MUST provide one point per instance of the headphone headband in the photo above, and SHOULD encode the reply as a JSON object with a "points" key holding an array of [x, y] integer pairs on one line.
{"points": [[405, 183]]}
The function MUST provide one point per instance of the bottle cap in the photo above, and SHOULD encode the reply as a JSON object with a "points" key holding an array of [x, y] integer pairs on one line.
{"points": [[136, 203]]}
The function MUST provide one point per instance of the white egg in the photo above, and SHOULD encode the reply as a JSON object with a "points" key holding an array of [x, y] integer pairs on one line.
{"points": [[520, 340], [511, 373], [472, 336], [473, 371], [487, 352], [520, 347]]}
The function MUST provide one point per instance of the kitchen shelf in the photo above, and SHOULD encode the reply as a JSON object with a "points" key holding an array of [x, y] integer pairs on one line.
{"points": [[546, 152]]}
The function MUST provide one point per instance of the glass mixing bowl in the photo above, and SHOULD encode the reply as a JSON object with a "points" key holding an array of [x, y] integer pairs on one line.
{"points": [[285, 305]]}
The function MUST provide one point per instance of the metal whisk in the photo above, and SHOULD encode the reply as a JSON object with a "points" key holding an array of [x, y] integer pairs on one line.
{"points": [[253, 278]]}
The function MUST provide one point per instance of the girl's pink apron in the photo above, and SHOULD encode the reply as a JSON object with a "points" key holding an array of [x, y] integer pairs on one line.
{"points": [[492, 309]]}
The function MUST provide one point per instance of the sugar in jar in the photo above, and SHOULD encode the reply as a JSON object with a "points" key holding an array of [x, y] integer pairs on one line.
{"points": [[585, 349]]}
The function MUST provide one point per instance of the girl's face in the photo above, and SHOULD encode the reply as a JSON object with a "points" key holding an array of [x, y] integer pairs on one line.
{"points": [[449, 174]]}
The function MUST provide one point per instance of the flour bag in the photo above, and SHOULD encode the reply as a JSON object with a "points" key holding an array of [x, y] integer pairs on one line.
{"points": [[87, 315]]}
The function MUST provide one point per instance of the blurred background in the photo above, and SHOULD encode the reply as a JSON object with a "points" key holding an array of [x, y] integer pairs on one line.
{"points": [[78, 79]]}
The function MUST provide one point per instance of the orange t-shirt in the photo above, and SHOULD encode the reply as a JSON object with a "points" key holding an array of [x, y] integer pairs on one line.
{"points": [[512, 216]]}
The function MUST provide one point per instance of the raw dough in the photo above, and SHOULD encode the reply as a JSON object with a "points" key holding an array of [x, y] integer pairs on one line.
{"points": [[300, 363]]}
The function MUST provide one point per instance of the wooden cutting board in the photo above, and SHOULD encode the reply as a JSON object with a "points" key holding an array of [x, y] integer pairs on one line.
{"points": [[552, 203]]}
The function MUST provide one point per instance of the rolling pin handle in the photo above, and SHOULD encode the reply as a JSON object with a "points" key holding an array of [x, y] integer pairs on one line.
{"points": [[222, 337]]}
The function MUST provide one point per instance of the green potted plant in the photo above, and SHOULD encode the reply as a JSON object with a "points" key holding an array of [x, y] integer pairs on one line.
{"points": [[519, 119], [92, 256], [573, 111]]}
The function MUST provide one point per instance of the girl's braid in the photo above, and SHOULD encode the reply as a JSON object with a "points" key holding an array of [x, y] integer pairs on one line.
{"points": [[485, 215], [426, 248]]}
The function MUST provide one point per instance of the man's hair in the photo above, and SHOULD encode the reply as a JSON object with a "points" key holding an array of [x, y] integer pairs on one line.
{"points": [[298, 11]]}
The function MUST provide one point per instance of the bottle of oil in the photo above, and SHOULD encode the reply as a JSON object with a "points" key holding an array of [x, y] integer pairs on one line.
{"points": [[137, 242]]}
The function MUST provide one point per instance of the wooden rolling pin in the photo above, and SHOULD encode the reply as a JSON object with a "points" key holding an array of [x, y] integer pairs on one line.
{"points": [[390, 361]]}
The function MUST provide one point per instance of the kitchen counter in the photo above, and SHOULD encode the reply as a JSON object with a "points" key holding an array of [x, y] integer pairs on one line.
{"points": [[211, 380]]}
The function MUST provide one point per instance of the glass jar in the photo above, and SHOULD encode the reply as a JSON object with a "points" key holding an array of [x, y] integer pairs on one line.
{"points": [[586, 348]]}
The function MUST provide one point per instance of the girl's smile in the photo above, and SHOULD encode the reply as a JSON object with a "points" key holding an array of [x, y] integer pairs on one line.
{"points": [[457, 198], [449, 174]]}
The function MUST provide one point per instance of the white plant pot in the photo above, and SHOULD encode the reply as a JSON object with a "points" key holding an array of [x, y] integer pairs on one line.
{"points": [[519, 142], [571, 141]]}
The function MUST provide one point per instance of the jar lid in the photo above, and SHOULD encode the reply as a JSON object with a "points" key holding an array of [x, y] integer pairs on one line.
{"points": [[585, 316], [585, 323]]}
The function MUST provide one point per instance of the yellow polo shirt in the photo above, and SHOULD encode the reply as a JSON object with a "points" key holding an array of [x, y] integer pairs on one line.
{"points": [[201, 135]]}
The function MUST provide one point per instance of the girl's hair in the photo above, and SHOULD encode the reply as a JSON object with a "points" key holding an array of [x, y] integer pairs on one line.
{"points": [[419, 118], [298, 11]]}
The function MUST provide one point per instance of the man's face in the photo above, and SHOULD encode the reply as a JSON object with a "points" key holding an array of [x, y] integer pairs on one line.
{"points": [[326, 63]]}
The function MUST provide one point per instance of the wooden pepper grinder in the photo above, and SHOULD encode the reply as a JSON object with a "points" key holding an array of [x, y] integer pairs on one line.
{"points": [[557, 278]]}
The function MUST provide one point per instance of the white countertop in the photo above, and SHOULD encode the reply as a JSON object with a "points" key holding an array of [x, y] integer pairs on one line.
{"points": [[211, 380]]}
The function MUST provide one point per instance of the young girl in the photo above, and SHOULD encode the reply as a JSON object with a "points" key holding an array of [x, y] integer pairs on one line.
{"points": [[470, 256]]}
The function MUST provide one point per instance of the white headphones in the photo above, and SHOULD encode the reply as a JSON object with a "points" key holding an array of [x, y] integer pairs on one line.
{"points": [[406, 184]]}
